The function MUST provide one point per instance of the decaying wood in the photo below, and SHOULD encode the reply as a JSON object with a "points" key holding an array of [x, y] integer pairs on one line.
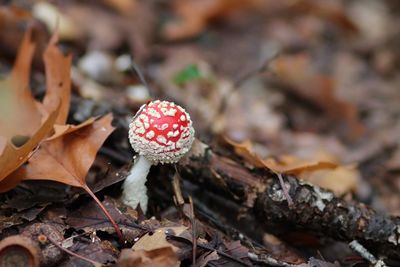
{"points": [[251, 199]]}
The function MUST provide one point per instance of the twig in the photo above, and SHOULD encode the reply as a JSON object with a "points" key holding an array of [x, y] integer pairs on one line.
{"points": [[314, 209], [239, 81], [285, 190], [95, 263], [266, 259], [365, 254], [259, 69], [270, 261], [194, 239], [139, 73], [176, 187]]}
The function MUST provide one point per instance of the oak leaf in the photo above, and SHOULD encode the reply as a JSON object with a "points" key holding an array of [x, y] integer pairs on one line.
{"points": [[68, 154], [67, 159], [58, 81], [20, 113], [21, 116]]}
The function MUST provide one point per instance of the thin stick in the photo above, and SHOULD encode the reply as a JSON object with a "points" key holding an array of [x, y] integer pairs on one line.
{"points": [[194, 238], [285, 190], [176, 187], [95, 263], [243, 78], [114, 224], [364, 253], [219, 121], [139, 73]]}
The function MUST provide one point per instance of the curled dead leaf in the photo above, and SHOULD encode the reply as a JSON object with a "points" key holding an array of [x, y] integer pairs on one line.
{"points": [[245, 150], [321, 172], [13, 157], [67, 159], [294, 165], [285, 164]]}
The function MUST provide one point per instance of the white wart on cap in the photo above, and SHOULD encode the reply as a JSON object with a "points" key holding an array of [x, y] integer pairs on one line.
{"points": [[162, 132]]}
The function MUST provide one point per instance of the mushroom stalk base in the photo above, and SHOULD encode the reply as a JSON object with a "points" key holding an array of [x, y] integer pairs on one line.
{"points": [[134, 188]]}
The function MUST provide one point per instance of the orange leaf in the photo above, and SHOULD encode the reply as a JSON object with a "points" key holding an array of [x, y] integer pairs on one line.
{"points": [[340, 180], [323, 173], [285, 164], [294, 165], [12, 157], [20, 113], [60, 130], [245, 150], [58, 80], [67, 159]]}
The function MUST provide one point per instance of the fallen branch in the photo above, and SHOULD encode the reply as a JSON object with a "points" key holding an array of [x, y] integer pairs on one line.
{"points": [[219, 183]]}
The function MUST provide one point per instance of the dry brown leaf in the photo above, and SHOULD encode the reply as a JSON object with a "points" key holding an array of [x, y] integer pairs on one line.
{"points": [[298, 72], [161, 257], [68, 155], [320, 172], [285, 164], [89, 217], [236, 250], [245, 150], [340, 180], [293, 165], [58, 79], [157, 239], [20, 113], [194, 15], [203, 260], [69, 143], [67, 159], [13, 157], [63, 129]]}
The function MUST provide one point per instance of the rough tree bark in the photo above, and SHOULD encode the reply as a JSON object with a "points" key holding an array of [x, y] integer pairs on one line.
{"points": [[248, 199]]}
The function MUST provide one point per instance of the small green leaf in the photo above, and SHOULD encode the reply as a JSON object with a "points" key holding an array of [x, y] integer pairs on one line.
{"points": [[190, 73]]}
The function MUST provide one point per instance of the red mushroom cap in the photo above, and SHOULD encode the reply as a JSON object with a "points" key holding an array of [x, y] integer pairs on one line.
{"points": [[162, 132]]}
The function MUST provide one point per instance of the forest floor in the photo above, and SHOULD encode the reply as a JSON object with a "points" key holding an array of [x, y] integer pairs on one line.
{"points": [[295, 106]]}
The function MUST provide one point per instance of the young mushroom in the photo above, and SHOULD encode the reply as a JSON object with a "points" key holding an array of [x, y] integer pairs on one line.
{"points": [[160, 132]]}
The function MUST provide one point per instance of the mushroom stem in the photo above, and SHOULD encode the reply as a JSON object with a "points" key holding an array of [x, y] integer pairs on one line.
{"points": [[134, 188]]}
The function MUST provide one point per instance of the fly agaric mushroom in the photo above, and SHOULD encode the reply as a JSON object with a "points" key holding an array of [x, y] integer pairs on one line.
{"points": [[161, 132]]}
